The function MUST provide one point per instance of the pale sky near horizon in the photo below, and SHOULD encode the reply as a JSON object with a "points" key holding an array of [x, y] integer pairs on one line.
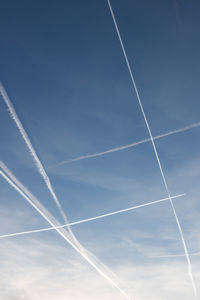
{"points": [[63, 69]]}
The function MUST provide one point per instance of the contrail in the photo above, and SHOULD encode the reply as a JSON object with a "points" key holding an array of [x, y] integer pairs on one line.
{"points": [[44, 175], [89, 219], [193, 125], [53, 222], [36, 159], [30, 147], [154, 148], [28, 193]]}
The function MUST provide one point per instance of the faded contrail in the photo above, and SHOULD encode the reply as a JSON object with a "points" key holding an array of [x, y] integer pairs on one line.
{"points": [[53, 222], [154, 148], [90, 219], [193, 125]]}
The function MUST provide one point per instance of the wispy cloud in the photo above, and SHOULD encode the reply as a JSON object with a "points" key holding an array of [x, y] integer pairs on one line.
{"points": [[175, 255], [33, 269]]}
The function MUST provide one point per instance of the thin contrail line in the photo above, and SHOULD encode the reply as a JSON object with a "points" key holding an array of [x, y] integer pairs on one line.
{"points": [[82, 157], [53, 222], [46, 179], [90, 219], [30, 147], [37, 161], [87, 253], [155, 150]]}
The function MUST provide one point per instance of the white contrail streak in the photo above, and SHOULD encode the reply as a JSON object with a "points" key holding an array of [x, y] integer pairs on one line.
{"points": [[45, 177], [53, 222], [155, 149], [82, 157], [30, 147], [90, 219], [37, 161]]}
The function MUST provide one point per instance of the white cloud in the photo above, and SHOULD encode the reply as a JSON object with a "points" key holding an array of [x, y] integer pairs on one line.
{"points": [[42, 267], [33, 269]]}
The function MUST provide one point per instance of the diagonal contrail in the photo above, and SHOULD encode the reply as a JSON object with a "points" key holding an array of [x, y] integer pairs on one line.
{"points": [[54, 223], [82, 157], [36, 159], [90, 219], [30, 147], [154, 148]]}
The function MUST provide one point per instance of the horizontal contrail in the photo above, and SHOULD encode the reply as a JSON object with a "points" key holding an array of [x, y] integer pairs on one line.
{"points": [[90, 219], [32, 200], [193, 125]]}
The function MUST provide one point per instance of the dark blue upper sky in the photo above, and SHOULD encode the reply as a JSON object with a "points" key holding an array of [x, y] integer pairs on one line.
{"points": [[64, 71]]}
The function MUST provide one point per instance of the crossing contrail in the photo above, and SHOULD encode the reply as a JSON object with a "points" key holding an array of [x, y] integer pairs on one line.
{"points": [[34, 202], [154, 148], [36, 159], [90, 219], [82, 157]]}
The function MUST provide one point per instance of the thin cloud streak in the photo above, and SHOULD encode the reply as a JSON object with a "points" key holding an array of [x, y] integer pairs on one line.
{"points": [[90, 219], [82, 157], [34, 202], [155, 149]]}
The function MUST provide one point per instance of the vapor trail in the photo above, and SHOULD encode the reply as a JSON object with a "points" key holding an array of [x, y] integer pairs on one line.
{"points": [[54, 223], [193, 125], [36, 159], [45, 177], [30, 147], [89, 219], [154, 148]]}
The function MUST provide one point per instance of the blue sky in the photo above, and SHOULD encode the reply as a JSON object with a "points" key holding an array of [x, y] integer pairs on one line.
{"points": [[64, 71]]}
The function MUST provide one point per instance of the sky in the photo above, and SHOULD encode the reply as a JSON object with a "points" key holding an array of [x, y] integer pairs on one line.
{"points": [[63, 69]]}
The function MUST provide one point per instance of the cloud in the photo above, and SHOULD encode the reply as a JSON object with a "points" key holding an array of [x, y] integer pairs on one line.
{"points": [[41, 267], [36, 270]]}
